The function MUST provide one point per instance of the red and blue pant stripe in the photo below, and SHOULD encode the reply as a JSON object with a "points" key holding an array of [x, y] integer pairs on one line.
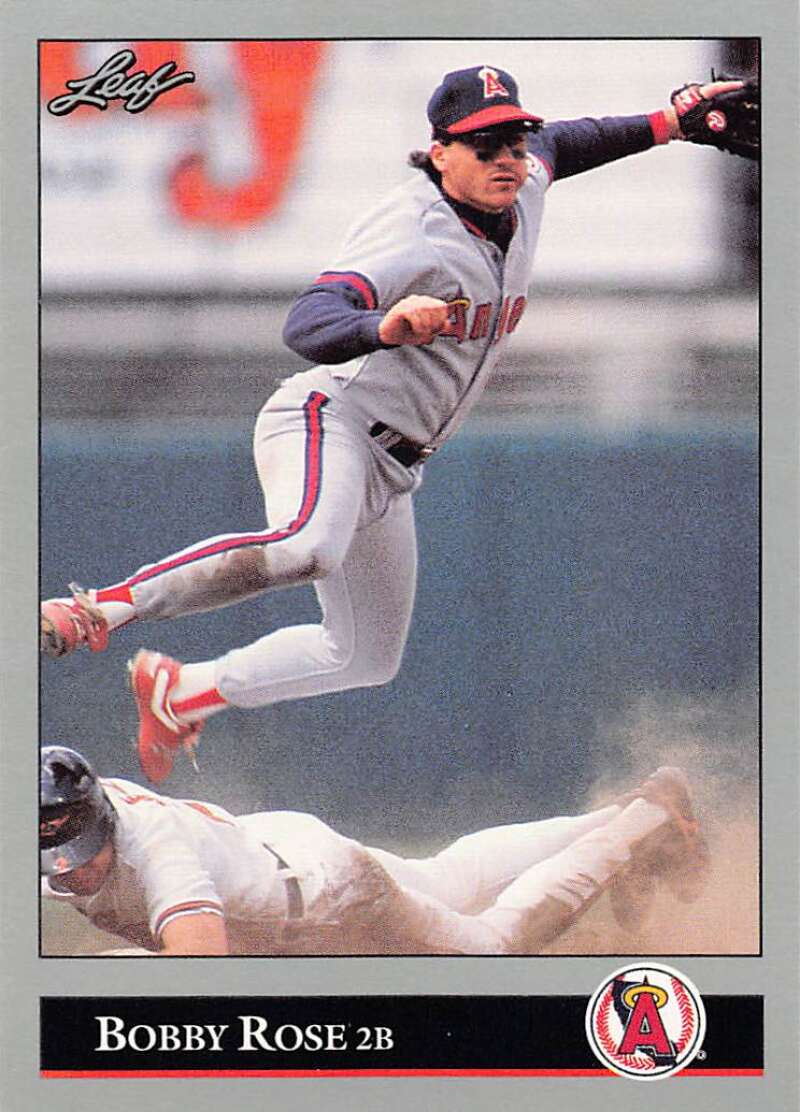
{"points": [[312, 484]]}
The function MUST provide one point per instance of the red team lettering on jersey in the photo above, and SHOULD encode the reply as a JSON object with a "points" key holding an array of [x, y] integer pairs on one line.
{"points": [[206, 809], [507, 321]]}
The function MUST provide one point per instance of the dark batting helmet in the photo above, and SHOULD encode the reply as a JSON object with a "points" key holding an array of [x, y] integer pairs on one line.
{"points": [[75, 817]]}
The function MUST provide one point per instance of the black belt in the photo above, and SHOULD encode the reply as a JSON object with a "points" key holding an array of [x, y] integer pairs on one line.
{"points": [[404, 451], [294, 893]]}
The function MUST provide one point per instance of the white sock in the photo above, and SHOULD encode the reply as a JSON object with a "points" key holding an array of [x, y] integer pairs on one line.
{"points": [[194, 697]]}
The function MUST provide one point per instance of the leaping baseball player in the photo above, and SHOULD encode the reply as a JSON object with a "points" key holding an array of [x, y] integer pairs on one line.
{"points": [[405, 328], [177, 877]]}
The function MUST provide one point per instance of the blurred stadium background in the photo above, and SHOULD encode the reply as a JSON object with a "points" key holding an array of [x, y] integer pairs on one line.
{"points": [[588, 595]]}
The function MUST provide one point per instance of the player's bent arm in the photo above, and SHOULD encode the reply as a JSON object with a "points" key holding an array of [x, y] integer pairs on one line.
{"points": [[325, 326], [202, 933]]}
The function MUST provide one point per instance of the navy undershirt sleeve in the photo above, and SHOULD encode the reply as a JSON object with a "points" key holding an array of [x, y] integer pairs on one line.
{"points": [[326, 325], [572, 146]]}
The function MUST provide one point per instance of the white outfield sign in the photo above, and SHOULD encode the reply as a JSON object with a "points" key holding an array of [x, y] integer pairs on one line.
{"points": [[239, 165]]}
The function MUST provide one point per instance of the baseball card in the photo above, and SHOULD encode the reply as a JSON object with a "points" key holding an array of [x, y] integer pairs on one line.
{"points": [[401, 437]]}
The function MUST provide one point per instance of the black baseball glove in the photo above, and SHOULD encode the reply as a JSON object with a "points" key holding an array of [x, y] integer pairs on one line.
{"points": [[728, 121]]}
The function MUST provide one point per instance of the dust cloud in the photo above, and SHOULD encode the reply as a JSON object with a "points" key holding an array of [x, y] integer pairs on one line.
{"points": [[715, 741]]}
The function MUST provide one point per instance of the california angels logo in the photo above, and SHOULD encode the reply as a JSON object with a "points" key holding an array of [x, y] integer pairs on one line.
{"points": [[492, 85], [646, 1022]]}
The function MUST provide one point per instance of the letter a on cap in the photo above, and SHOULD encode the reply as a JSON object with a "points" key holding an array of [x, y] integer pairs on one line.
{"points": [[492, 85]]}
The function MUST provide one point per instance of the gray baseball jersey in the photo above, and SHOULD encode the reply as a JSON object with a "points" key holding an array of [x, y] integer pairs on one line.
{"points": [[414, 242]]}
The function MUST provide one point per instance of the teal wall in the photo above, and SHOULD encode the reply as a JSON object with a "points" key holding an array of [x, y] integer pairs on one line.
{"points": [[561, 577]]}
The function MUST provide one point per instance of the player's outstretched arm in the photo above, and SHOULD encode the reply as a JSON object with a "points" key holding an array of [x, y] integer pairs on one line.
{"points": [[570, 147], [203, 933]]}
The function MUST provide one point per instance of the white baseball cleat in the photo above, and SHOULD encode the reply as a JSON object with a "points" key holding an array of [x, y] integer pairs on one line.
{"points": [[65, 624], [152, 676]]}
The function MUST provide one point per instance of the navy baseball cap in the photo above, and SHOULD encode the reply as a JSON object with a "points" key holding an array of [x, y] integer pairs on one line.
{"points": [[476, 98]]}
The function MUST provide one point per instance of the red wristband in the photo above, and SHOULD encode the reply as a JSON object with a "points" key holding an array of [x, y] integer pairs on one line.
{"points": [[659, 127]]}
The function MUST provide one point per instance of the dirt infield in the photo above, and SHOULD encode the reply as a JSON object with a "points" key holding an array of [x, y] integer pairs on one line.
{"points": [[65, 933]]}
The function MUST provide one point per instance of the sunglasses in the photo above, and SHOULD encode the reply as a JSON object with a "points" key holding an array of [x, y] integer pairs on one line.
{"points": [[487, 144]]}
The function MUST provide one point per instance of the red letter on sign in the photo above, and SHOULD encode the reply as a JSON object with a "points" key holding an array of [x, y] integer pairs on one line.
{"points": [[279, 79]]}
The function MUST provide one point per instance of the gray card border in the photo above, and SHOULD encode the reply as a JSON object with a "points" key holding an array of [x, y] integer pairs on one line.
{"points": [[23, 976]]}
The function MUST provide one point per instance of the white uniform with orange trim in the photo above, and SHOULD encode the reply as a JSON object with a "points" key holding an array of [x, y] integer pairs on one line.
{"points": [[285, 882]]}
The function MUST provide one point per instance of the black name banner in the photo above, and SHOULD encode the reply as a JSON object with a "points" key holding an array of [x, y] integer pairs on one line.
{"points": [[281, 1036]]}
